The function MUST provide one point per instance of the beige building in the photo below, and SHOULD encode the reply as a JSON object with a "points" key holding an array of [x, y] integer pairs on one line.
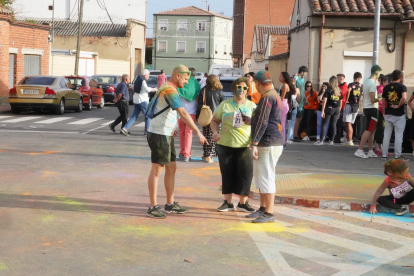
{"points": [[337, 37], [105, 48]]}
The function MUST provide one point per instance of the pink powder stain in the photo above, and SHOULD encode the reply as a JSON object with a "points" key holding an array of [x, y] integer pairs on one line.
{"points": [[214, 184]]}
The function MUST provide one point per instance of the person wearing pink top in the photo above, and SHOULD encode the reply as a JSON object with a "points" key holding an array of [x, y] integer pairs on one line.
{"points": [[379, 133], [162, 78]]}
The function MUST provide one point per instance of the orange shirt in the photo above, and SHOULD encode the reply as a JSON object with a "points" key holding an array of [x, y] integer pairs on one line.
{"points": [[312, 100], [254, 93]]}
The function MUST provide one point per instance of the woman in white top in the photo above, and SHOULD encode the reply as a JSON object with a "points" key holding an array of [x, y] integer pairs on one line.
{"points": [[141, 100], [291, 122]]}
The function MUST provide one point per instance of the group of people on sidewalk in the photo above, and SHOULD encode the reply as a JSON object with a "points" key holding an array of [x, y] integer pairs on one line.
{"points": [[249, 131]]}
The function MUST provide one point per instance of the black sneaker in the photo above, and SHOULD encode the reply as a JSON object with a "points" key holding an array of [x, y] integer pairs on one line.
{"points": [[402, 158], [226, 207], [402, 211], [112, 128], [175, 208], [384, 158], [245, 207], [296, 139], [155, 212]]}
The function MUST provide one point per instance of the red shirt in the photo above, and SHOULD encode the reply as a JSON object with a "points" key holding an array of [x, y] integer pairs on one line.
{"points": [[344, 89], [162, 78]]}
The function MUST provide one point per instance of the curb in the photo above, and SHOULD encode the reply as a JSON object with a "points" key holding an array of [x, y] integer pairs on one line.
{"points": [[327, 204]]}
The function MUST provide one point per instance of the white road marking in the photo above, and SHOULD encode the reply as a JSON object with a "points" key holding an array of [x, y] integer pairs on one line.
{"points": [[4, 117], [107, 123], [39, 131], [53, 120], [382, 220], [140, 124], [21, 119], [85, 121]]}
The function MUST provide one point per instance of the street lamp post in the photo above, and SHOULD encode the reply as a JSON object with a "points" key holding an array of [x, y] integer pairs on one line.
{"points": [[376, 32], [79, 38]]}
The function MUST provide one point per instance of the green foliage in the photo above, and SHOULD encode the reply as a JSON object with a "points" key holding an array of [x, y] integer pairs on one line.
{"points": [[28, 20], [6, 3]]}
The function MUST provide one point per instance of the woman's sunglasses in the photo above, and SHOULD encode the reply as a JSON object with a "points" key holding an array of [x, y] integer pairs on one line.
{"points": [[308, 85], [242, 87]]}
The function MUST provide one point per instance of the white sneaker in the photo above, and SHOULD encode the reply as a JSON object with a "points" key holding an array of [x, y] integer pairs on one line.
{"points": [[372, 154], [318, 143], [361, 154], [289, 141], [319, 138], [306, 138], [347, 143], [331, 143], [343, 140]]}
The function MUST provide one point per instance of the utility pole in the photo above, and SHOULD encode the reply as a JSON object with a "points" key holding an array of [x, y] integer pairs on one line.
{"points": [[376, 32], [79, 38]]}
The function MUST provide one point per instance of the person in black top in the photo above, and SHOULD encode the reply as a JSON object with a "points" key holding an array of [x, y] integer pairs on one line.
{"points": [[319, 113], [393, 99], [121, 101], [351, 108], [331, 106], [213, 92]]}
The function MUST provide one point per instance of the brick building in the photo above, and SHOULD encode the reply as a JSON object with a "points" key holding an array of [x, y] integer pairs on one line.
{"points": [[24, 50], [247, 14]]}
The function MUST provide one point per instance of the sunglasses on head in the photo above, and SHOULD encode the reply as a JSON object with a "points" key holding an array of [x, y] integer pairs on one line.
{"points": [[242, 87]]}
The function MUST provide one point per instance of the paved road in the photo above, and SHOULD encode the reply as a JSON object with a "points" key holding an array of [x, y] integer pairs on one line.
{"points": [[74, 204]]}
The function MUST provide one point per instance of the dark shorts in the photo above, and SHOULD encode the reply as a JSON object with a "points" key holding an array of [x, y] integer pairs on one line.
{"points": [[371, 114], [162, 148], [300, 113], [412, 129]]}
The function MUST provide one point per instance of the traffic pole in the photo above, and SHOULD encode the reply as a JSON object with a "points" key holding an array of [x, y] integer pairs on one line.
{"points": [[79, 38], [375, 55]]}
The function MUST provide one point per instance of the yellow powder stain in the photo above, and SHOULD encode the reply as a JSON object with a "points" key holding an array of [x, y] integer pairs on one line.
{"points": [[72, 203], [26, 193], [41, 153], [107, 260], [203, 172], [47, 218], [46, 244], [268, 227], [143, 230], [49, 173], [3, 266]]}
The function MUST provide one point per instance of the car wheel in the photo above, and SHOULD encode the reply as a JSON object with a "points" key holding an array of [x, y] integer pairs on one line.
{"points": [[80, 106], [15, 110], [102, 104], [89, 105], [61, 108]]}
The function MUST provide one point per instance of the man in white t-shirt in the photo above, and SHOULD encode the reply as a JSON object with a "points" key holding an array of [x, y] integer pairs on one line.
{"points": [[370, 112], [203, 81]]}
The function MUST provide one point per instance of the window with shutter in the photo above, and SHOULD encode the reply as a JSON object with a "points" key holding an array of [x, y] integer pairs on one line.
{"points": [[201, 26], [180, 46], [201, 47], [181, 25], [163, 24], [162, 46]]}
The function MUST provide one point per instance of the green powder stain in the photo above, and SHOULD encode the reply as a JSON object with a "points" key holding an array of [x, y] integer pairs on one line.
{"points": [[47, 218], [72, 203], [3, 266]]}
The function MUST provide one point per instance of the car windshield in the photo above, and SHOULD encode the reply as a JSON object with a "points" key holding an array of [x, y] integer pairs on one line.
{"points": [[38, 81], [105, 79], [226, 85], [152, 81], [76, 81]]}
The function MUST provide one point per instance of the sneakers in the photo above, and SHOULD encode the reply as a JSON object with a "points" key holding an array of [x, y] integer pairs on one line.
{"points": [[402, 158], [288, 141], [186, 159], [124, 132], [306, 138], [320, 143], [255, 214], [181, 156], [175, 208], [155, 212], [208, 159], [402, 211], [384, 158], [361, 154], [372, 154], [264, 218], [296, 139], [245, 207], [331, 143], [343, 140], [318, 138], [226, 207], [111, 127], [347, 143]]}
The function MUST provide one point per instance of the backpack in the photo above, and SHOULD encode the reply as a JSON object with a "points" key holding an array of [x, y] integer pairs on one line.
{"points": [[150, 111], [206, 114]]}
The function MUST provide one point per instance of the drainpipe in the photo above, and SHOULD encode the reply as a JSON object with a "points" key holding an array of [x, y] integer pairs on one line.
{"points": [[404, 47], [320, 52]]}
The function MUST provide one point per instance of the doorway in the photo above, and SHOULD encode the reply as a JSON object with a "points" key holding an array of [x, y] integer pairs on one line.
{"points": [[138, 62]]}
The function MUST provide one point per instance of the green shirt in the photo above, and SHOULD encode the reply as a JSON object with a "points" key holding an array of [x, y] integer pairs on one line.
{"points": [[231, 136]]}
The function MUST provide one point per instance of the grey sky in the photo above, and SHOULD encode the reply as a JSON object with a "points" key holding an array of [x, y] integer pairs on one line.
{"points": [[155, 6]]}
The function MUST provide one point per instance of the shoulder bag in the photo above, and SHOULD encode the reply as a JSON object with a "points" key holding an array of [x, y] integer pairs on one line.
{"points": [[206, 115]]}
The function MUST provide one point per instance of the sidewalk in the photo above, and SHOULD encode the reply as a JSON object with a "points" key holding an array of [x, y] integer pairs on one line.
{"points": [[352, 192], [5, 108]]}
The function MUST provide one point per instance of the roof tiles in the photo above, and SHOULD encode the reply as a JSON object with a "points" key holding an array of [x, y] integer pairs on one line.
{"points": [[262, 30], [191, 11], [403, 7]]}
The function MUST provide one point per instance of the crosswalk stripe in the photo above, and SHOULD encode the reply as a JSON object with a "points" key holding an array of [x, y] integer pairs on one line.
{"points": [[141, 124], [4, 117], [22, 119], [107, 123], [54, 120], [347, 226], [383, 220], [85, 121]]}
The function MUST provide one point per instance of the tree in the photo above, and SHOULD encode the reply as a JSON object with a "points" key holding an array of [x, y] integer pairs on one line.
{"points": [[6, 3]]}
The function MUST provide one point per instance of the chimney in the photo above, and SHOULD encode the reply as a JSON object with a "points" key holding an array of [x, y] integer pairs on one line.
{"points": [[208, 7]]}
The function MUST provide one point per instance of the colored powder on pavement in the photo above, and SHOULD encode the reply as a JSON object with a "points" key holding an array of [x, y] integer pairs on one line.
{"points": [[270, 227], [159, 230], [404, 218], [41, 153], [47, 218], [68, 201], [49, 173], [3, 266]]}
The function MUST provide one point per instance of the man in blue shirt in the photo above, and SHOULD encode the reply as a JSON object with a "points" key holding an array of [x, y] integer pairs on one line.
{"points": [[300, 83], [121, 101]]}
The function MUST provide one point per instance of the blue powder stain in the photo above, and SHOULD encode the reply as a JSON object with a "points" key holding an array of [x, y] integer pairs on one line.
{"points": [[404, 218]]}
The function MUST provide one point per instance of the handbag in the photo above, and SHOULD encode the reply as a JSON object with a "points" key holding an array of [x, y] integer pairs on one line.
{"points": [[206, 115]]}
